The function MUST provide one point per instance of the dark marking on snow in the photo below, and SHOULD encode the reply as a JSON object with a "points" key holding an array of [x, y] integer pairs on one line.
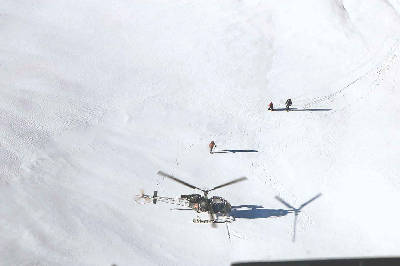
{"points": [[256, 212], [301, 110]]}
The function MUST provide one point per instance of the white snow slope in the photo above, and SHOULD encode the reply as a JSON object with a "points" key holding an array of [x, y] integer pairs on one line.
{"points": [[98, 96]]}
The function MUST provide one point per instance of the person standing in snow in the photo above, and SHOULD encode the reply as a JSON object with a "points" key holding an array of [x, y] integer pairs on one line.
{"points": [[288, 104], [271, 106], [212, 146]]}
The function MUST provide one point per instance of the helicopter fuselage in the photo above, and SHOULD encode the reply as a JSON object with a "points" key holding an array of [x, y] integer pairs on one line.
{"points": [[216, 207], [202, 204]]}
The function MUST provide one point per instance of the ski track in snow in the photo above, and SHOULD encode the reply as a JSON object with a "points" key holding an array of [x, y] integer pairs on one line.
{"points": [[382, 66]]}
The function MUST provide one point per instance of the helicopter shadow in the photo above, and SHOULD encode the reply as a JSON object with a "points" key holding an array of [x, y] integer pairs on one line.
{"points": [[234, 151], [256, 212]]}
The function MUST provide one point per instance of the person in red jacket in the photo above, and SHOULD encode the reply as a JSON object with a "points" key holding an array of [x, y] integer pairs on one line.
{"points": [[271, 106], [212, 146]]}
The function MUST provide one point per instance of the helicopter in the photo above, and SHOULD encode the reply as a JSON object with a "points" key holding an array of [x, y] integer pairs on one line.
{"points": [[218, 208]]}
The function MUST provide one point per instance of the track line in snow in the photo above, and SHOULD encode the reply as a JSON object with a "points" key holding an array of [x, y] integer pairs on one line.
{"points": [[380, 71], [391, 51]]}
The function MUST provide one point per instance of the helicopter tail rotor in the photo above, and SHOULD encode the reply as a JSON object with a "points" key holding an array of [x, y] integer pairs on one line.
{"points": [[143, 198]]}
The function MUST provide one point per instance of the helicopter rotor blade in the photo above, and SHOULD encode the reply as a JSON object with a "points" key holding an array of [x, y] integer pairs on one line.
{"points": [[229, 183], [294, 226], [211, 213], [285, 203], [177, 180], [213, 225], [304, 204]]}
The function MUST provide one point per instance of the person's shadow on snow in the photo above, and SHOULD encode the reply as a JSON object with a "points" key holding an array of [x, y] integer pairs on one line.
{"points": [[300, 110], [234, 151]]}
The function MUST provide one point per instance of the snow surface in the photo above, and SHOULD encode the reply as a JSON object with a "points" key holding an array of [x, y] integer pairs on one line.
{"points": [[97, 96]]}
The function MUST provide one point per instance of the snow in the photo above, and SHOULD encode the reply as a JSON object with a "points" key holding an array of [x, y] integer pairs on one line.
{"points": [[98, 96]]}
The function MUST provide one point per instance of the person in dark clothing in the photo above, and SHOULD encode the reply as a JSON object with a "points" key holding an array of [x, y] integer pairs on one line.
{"points": [[271, 106], [288, 104]]}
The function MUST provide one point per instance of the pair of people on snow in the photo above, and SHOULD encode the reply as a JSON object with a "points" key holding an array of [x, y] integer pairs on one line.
{"points": [[288, 104], [212, 145]]}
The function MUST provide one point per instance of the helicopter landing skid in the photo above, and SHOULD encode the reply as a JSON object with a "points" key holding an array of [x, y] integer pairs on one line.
{"points": [[218, 220], [201, 221]]}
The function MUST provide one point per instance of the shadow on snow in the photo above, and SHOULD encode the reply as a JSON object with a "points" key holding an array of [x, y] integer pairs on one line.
{"points": [[300, 110], [256, 212], [234, 151]]}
